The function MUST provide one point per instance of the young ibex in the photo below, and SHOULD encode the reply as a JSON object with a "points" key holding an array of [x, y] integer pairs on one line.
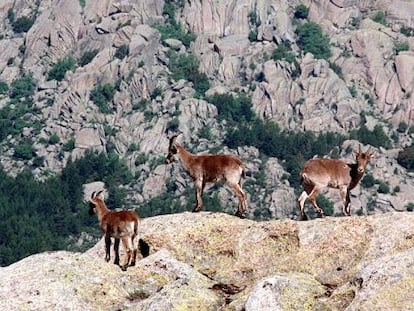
{"points": [[320, 173], [205, 169], [121, 225]]}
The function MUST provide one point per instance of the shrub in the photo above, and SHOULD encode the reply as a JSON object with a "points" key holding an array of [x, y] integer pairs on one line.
{"points": [[24, 151], [401, 46], [406, 158], [368, 181], [232, 108], [376, 137], [174, 30], [22, 24], [173, 125], [205, 132], [379, 17], [402, 127], [54, 139], [87, 57], [410, 207], [184, 66], [122, 52], [4, 88], [283, 51], [69, 145], [383, 187], [101, 95], [407, 31], [10, 15], [58, 71], [301, 11], [252, 36], [312, 40], [23, 86]]}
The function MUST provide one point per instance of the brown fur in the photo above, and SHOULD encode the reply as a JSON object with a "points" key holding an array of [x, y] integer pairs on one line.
{"points": [[322, 173], [120, 225], [205, 169]]}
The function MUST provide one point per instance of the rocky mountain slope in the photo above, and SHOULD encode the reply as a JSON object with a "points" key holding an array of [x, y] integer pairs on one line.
{"points": [[119, 51], [214, 261]]}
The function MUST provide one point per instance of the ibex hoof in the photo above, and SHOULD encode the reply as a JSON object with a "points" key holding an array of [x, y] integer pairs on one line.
{"points": [[196, 209], [124, 268], [241, 215]]}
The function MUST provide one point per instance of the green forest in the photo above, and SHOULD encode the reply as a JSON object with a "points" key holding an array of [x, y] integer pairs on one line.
{"points": [[36, 216]]}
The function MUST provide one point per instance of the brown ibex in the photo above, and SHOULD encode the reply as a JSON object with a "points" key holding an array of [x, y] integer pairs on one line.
{"points": [[320, 173], [121, 225], [209, 168]]}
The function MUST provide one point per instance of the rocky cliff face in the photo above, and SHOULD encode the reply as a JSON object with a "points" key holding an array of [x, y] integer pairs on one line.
{"points": [[213, 261], [374, 81]]}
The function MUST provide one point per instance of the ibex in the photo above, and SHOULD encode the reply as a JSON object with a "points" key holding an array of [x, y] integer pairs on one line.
{"points": [[121, 225], [321, 173], [209, 168]]}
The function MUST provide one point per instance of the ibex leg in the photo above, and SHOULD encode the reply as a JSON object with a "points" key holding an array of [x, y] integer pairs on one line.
{"points": [[116, 249], [344, 192], [312, 197], [107, 247], [242, 207], [199, 185], [301, 202]]}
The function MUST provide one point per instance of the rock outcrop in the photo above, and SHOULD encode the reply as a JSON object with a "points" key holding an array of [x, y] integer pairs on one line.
{"points": [[208, 261]]}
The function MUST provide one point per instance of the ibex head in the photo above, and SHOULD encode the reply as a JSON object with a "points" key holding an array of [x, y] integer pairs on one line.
{"points": [[172, 150], [94, 201], [362, 159]]}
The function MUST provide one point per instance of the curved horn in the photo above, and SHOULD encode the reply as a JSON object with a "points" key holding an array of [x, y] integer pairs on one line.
{"points": [[173, 138], [93, 195]]}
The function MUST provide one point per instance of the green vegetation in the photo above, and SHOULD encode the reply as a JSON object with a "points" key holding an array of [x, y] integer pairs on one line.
{"points": [[301, 11], [101, 95], [17, 114], [171, 29], [39, 216], [311, 39], [11, 16], [379, 17], [4, 88], [376, 137], [185, 66], [406, 158], [54, 139], [23, 87], [254, 23], [175, 31], [122, 52], [22, 24], [24, 151], [233, 109], [58, 70], [283, 52], [383, 187], [407, 31], [173, 125], [401, 46], [87, 57]]}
